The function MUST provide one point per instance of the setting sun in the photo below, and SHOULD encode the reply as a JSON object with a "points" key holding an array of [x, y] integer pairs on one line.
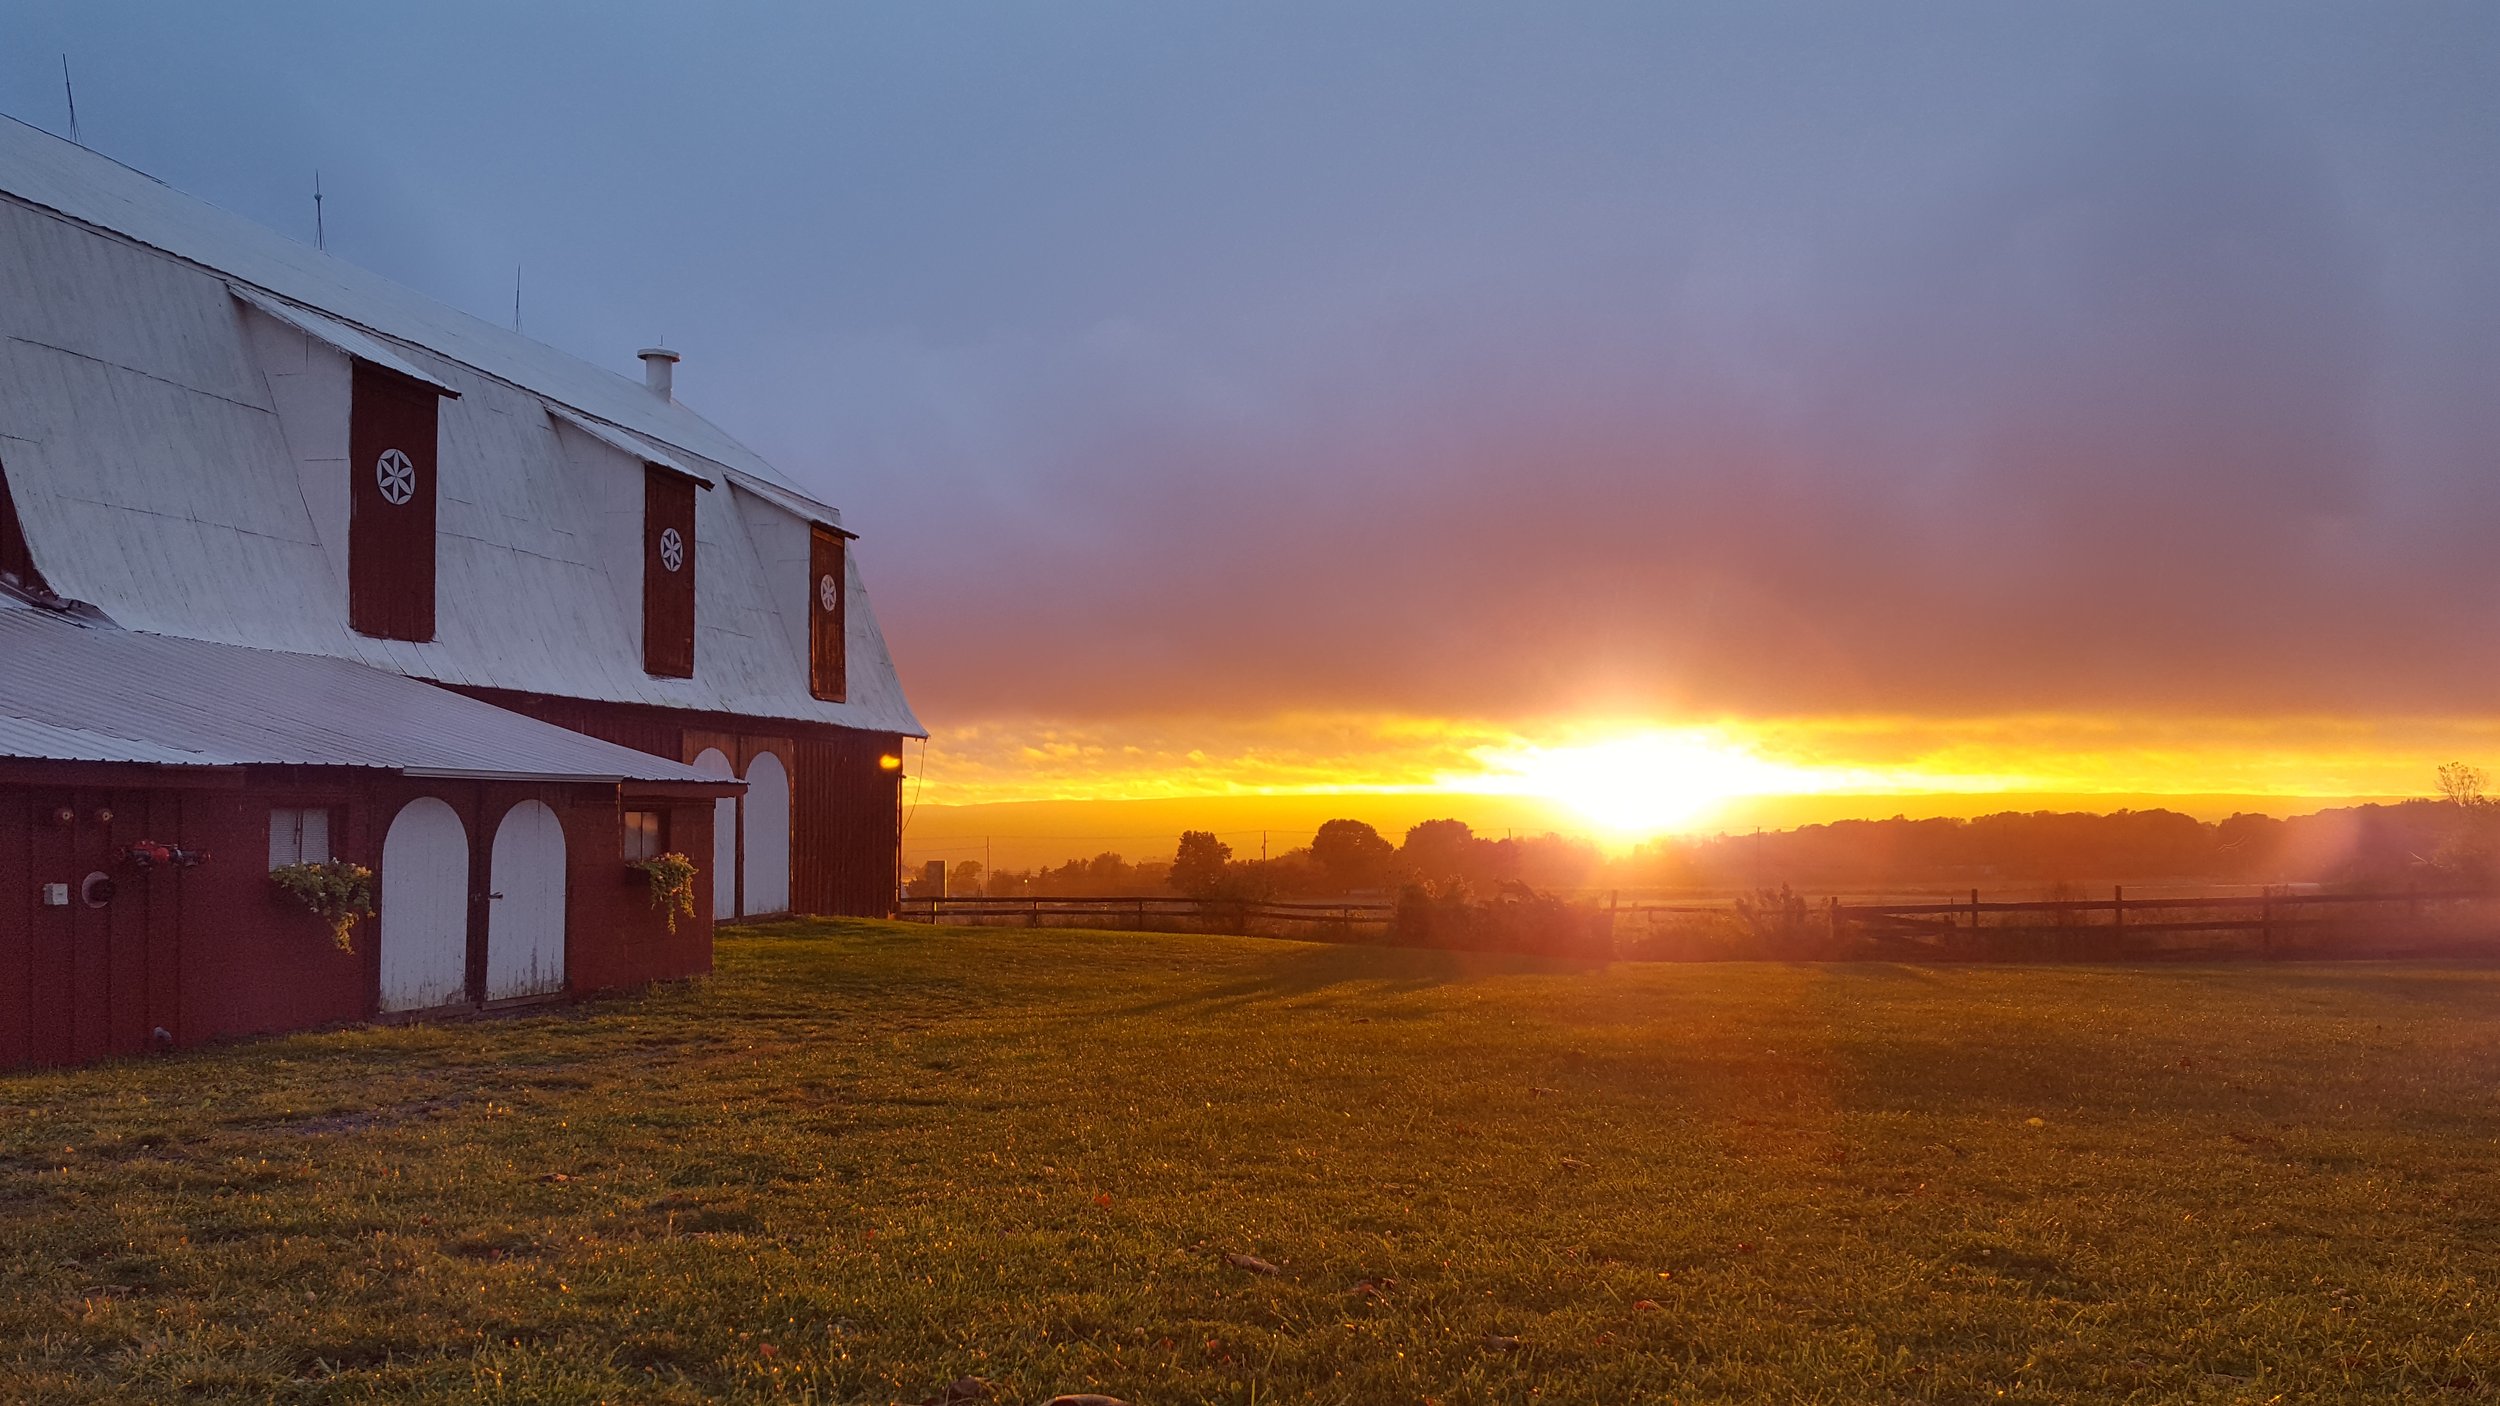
{"points": [[1638, 786]]}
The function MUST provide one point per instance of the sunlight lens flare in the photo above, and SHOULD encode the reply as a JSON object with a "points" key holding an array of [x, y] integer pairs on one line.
{"points": [[1649, 784]]}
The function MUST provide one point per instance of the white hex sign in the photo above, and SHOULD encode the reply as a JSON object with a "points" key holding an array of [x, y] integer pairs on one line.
{"points": [[396, 476]]}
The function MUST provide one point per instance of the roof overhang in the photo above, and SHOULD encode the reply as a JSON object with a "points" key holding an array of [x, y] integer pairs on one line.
{"points": [[798, 505], [93, 694], [626, 442], [362, 345]]}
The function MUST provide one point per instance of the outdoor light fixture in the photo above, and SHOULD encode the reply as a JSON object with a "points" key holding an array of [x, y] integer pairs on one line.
{"points": [[890, 762]]}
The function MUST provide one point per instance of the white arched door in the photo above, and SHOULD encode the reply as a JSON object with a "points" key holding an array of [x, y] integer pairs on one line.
{"points": [[425, 907], [525, 916], [713, 763], [767, 834]]}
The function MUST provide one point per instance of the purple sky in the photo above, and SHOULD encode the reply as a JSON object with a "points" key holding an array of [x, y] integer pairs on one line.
{"points": [[1481, 360]]}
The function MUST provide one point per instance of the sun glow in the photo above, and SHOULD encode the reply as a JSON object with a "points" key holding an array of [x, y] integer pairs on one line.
{"points": [[1651, 783]]}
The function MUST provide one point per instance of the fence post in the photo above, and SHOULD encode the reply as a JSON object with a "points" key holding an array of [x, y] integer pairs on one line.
{"points": [[1035, 920], [1975, 947], [2118, 915], [1832, 911]]}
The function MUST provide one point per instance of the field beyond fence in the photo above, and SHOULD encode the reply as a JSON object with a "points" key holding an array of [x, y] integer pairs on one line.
{"points": [[1786, 926]]}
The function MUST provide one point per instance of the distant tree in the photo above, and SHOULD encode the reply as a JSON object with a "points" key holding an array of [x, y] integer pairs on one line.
{"points": [[1353, 854], [966, 880], [1440, 851], [1198, 865], [2464, 786], [2468, 851]]}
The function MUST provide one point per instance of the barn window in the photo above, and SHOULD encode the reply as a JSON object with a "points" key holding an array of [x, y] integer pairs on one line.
{"points": [[646, 834], [17, 560], [827, 674], [667, 573], [391, 495], [299, 835]]}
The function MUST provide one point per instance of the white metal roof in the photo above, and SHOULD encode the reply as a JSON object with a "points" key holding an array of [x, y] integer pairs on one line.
{"points": [[42, 169], [173, 425], [85, 691]]}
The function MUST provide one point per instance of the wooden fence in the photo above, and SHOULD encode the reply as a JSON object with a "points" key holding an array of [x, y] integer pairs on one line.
{"points": [[2270, 923], [1141, 914]]}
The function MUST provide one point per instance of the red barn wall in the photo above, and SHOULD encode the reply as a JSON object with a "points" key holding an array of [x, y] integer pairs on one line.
{"points": [[216, 951], [845, 805]]}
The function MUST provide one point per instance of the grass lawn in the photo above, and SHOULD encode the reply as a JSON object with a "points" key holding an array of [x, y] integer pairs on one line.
{"points": [[865, 1159]]}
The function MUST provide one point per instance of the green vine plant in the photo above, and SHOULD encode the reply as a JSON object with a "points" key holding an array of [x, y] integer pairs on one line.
{"points": [[672, 884], [337, 892]]}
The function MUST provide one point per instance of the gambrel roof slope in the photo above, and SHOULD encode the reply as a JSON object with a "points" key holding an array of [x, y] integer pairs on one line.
{"points": [[173, 429]]}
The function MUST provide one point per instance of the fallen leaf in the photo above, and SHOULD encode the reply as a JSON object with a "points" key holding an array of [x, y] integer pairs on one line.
{"points": [[555, 1178], [960, 1390], [1645, 1306], [1503, 1342], [2035, 1122], [1574, 1164], [1103, 1199], [1250, 1262]]}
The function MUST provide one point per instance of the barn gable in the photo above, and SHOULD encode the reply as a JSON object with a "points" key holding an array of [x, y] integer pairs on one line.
{"points": [[177, 402]]}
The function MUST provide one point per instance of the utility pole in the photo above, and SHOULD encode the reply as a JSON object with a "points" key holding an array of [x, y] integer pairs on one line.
{"points": [[321, 234]]}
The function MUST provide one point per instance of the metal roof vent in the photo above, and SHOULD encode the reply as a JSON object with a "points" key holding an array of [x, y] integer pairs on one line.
{"points": [[659, 371]]}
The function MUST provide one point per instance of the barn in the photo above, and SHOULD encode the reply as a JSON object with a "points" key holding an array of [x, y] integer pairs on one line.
{"points": [[299, 566]]}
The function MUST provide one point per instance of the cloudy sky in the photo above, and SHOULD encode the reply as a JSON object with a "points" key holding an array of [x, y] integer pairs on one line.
{"points": [[1195, 372]]}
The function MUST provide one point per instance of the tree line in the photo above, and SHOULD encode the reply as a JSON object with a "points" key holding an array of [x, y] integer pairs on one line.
{"points": [[2452, 839]]}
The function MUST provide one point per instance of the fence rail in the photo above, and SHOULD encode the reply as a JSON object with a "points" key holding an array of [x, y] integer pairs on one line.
{"points": [[1136, 912], [1969, 928], [2273, 916]]}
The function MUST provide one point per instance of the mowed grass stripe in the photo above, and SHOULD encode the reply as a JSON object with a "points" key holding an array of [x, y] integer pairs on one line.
{"points": [[866, 1159]]}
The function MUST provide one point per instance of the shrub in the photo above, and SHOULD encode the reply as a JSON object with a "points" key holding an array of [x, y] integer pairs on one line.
{"points": [[1517, 919]]}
